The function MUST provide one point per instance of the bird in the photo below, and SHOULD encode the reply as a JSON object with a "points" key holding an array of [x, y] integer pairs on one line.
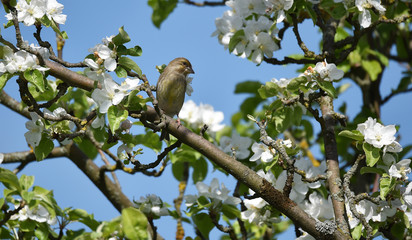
{"points": [[171, 89]]}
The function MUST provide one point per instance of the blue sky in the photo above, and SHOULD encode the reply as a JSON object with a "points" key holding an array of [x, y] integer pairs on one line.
{"points": [[186, 33]]}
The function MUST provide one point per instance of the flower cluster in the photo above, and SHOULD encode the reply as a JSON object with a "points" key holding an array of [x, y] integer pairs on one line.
{"points": [[216, 194], [365, 7], [255, 36], [113, 93], [28, 13], [258, 210], [324, 71], [104, 59], [264, 153], [375, 212], [380, 136], [37, 213], [239, 145], [19, 61], [152, 206], [197, 116]]}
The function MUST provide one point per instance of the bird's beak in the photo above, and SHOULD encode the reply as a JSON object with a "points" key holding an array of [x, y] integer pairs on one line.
{"points": [[189, 70]]}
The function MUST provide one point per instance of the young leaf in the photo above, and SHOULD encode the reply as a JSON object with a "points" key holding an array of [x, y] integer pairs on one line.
{"points": [[355, 135], [121, 38], [44, 148], [328, 88], [372, 154], [134, 223], [35, 77], [248, 87], [116, 116], [9, 179], [4, 78], [199, 170], [161, 10], [235, 39], [203, 223], [129, 64]]}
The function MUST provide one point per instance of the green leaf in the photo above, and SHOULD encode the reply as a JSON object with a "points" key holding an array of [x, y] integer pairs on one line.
{"points": [[26, 181], [88, 148], [44, 148], [129, 64], [402, 48], [56, 29], [270, 89], [134, 223], [120, 72], [28, 225], [357, 232], [161, 10], [373, 68], [339, 11], [297, 115], [295, 83], [385, 186], [354, 134], [150, 140], [248, 87], [341, 34], [83, 217], [199, 170], [249, 105], [9, 179], [230, 211], [203, 223], [328, 88], [177, 170], [4, 78], [372, 154], [116, 116], [398, 230], [121, 38], [35, 77], [235, 39], [135, 51], [371, 170]]}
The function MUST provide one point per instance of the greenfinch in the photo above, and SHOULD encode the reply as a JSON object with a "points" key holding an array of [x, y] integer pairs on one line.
{"points": [[171, 88]]}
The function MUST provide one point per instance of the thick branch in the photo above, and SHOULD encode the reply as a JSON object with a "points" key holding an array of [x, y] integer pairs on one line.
{"points": [[332, 162], [244, 174], [70, 77]]}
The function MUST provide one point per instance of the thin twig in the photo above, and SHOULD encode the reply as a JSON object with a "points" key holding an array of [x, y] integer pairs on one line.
{"points": [[115, 179], [205, 3]]}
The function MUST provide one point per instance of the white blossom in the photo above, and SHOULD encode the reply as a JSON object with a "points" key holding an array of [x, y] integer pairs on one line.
{"points": [[279, 7], [36, 128], [98, 122], [152, 205], [197, 116], [217, 194], [328, 71], [54, 11], [236, 143], [400, 169], [378, 135], [318, 207], [189, 88], [283, 82], [261, 152], [112, 93], [37, 213], [364, 7]]}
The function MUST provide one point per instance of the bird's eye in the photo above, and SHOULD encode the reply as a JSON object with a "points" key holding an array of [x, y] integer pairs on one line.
{"points": [[185, 63]]}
